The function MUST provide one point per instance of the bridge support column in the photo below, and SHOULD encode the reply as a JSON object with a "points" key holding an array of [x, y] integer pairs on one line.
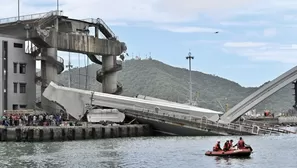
{"points": [[48, 74], [109, 83], [96, 32]]}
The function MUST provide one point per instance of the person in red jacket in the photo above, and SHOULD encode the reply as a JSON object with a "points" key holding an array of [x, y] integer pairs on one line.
{"points": [[230, 144], [226, 146], [217, 147], [241, 143]]}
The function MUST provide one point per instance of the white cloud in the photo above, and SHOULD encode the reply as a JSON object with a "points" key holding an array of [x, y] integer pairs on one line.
{"points": [[283, 56], [189, 29], [244, 44], [271, 32], [159, 11], [283, 53], [247, 23]]}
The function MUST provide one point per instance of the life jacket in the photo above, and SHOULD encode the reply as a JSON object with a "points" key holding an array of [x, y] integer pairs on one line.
{"points": [[230, 145], [240, 144], [216, 147], [226, 145]]}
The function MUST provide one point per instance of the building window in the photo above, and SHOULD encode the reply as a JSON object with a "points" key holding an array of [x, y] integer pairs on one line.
{"points": [[18, 45], [23, 87], [22, 68], [15, 87], [15, 107], [15, 67], [23, 106]]}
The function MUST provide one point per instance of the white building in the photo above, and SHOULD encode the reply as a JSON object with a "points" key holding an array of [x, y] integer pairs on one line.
{"points": [[18, 75]]}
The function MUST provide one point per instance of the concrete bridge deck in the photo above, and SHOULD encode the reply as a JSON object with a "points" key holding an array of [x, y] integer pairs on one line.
{"points": [[167, 117], [187, 125]]}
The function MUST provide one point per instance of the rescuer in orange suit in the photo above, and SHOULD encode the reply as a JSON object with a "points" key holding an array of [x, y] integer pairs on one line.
{"points": [[230, 144], [226, 146], [217, 147], [241, 143]]}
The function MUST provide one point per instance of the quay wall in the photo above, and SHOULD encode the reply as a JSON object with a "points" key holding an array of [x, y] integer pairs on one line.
{"points": [[70, 133]]}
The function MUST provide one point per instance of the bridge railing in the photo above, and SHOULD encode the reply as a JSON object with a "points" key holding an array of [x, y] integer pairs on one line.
{"points": [[204, 122], [265, 128], [28, 17], [100, 22]]}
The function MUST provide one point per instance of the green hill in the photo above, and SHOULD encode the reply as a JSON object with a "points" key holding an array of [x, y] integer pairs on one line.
{"points": [[156, 79]]}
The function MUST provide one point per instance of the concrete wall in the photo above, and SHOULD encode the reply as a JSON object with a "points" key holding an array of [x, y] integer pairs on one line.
{"points": [[72, 133], [18, 55]]}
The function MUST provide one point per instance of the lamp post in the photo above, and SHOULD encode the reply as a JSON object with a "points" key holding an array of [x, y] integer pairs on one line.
{"points": [[190, 57], [18, 10]]}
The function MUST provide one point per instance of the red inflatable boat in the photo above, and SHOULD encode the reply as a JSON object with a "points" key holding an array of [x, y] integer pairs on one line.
{"points": [[231, 153]]}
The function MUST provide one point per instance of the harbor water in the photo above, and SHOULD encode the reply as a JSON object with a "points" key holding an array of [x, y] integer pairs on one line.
{"points": [[147, 152]]}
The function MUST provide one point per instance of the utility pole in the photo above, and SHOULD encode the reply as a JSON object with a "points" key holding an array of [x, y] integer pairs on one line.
{"points": [[69, 66], [18, 10], [57, 20], [190, 57], [58, 4]]}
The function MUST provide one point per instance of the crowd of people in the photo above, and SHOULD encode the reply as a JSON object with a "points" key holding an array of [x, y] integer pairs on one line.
{"points": [[229, 145], [31, 120]]}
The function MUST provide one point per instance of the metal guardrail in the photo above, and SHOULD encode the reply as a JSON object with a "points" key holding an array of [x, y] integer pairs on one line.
{"points": [[100, 21], [292, 119], [18, 111], [203, 122], [29, 17], [253, 129]]}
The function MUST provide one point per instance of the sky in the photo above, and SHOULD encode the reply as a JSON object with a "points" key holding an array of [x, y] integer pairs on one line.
{"points": [[257, 40]]}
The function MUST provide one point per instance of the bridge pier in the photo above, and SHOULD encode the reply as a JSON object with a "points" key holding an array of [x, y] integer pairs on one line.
{"points": [[109, 82], [48, 74]]}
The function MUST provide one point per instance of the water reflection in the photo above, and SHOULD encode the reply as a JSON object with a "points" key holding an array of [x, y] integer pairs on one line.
{"points": [[60, 154], [22, 154], [230, 160]]}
